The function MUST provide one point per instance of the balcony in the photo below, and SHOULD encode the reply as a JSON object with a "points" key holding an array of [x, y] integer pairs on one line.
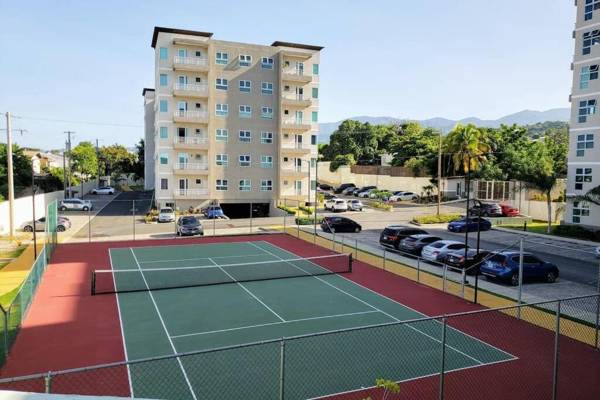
{"points": [[293, 171], [295, 148], [293, 124], [295, 75], [296, 100], [191, 142], [188, 168], [198, 117], [190, 193], [190, 90], [192, 64]]}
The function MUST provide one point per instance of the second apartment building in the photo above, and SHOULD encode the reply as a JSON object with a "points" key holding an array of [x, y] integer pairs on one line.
{"points": [[232, 123]]}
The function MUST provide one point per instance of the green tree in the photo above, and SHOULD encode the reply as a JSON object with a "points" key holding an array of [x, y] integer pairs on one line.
{"points": [[468, 147], [338, 161], [21, 169], [138, 165], [84, 158], [415, 147], [116, 160]]}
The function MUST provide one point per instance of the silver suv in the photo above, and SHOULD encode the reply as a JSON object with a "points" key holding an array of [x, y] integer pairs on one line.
{"points": [[75, 205]]}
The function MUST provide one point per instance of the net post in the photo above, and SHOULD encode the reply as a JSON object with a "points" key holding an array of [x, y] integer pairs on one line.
{"points": [[443, 359], [350, 260], [93, 280], [556, 351], [282, 370], [48, 382]]}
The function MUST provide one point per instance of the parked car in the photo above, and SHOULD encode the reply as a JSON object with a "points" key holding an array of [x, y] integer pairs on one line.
{"points": [[355, 205], [463, 224], [214, 212], [103, 190], [404, 196], [456, 259], [414, 243], [62, 224], [340, 205], [349, 190], [343, 187], [189, 226], [485, 209], [509, 211], [504, 266], [357, 192], [166, 214], [436, 251], [392, 235], [330, 202], [339, 224], [324, 186], [366, 194], [75, 205], [328, 196]]}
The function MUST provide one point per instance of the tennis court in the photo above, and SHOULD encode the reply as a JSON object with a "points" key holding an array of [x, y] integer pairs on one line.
{"points": [[182, 298]]}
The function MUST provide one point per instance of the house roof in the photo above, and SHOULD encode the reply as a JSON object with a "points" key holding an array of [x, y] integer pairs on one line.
{"points": [[297, 45], [158, 29]]}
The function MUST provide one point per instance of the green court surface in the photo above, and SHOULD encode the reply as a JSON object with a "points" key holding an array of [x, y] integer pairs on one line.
{"points": [[186, 319]]}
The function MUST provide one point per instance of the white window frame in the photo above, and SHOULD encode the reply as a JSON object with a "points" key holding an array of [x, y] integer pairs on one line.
{"points": [[221, 58], [266, 185], [266, 88], [266, 137], [222, 159], [267, 62], [221, 84], [244, 159], [266, 112], [245, 60], [266, 161], [580, 209], [245, 185], [245, 86], [245, 111], [221, 135], [245, 136], [221, 185], [221, 108]]}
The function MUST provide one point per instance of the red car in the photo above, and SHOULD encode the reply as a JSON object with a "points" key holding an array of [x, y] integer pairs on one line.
{"points": [[509, 211]]}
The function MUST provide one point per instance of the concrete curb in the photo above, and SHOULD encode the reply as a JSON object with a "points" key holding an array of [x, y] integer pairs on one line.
{"points": [[541, 235]]}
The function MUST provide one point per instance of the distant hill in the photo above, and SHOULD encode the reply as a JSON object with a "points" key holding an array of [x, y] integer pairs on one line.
{"points": [[525, 117]]}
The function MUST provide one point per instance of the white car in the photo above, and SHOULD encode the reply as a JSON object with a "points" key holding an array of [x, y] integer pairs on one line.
{"points": [[366, 193], [355, 205], [104, 190], [330, 202], [436, 251], [404, 196], [75, 205], [166, 214], [340, 205]]}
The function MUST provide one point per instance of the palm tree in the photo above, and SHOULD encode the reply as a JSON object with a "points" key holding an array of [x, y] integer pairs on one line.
{"points": [[592, 196], [468, 146]]}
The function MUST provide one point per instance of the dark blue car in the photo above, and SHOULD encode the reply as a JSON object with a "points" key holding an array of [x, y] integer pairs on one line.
{"points": [[504, 266], [461, 225]]}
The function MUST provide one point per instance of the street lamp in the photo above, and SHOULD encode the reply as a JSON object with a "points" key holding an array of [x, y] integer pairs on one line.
{"points": [[33, 190]]}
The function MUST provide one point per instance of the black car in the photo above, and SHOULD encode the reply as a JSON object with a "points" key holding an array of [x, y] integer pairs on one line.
{"points": [[414, 243], [189, 226], [393, 235], [485, 209], [456, 259], [339, 224], [324, 186], [363, 189], [342, 187], [328, 196]]}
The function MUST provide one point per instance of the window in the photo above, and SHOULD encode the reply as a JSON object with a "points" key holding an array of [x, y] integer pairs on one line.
{"points": [[163, 53], [245, 86], [198, 79], [266, 137], [266, 88], [590, 6], [313, 185], [315, 69], [221, 83], [245, 60], [266, 185], [198, 53], [222, 159], [267, 62], [198, 181], [586, 108], [286, 88], [315, 116], [590, 39], [163, 107], [163, 80], [222, 58], [164, 158], [587, 74], [266, 112], [163, 132], [584, 141], [313, 140], [582, 175], [245, 111], [266, 161], [315, 93], [221, 184], [245, 185], [313, 162], [244, 160], [245, 136], [221, 135], [164, 184], [221, 110], [580, 209]]}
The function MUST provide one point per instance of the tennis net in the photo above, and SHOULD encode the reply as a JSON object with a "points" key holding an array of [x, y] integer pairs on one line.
{"points": [[143, 279]]}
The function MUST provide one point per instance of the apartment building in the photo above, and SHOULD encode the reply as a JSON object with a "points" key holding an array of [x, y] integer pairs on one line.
{"points": [[232, 123], [584, 153]]}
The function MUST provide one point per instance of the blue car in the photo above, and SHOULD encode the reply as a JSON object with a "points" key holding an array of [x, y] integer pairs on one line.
{"points": [[461, 225], [504, 266], [214, 212]]}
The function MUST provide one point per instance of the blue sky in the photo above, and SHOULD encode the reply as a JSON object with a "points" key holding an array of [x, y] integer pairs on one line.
{"points": [[88, 61]]}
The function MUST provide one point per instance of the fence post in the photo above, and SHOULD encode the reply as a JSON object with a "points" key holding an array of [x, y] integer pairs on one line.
{"points": [[333, 241], [214, 224], [443, 359], [384, 257], [133, 215], [418, 269], [556, 351], [48, 382], [520, 278], [463, 278], [282, 370], [597, 320], [89, 226], [356, 249], [444, 278], [250, 217], [5, 330]]}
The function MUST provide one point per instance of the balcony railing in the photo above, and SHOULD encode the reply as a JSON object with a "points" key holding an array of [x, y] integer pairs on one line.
{"points": [[191, 115], [295, 146], [188, 166], [297, 75], [192, 88], [191, 61], [190, 193], [290, 168], [191, 140], [296, 123]]}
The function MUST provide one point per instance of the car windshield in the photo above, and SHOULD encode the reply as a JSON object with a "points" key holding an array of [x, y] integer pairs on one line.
{"points": [[189, 221], [497, 258], [166, 210], [438, 245]]}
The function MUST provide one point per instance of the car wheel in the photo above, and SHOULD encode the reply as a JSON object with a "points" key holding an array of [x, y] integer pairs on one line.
{"points": [[60, 228], [550, 277], [514, 279], [356, 230], [85, 208], [28, 228], [332, 230], [63, 208]]}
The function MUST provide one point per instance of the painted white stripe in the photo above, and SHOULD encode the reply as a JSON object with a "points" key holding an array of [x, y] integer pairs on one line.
{"points": [[248, 291], [164, 326], [202, 258], [375, 308], [274, 323]]}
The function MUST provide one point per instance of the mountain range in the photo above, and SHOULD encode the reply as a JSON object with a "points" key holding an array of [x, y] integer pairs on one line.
{"points": [[525, 117]]}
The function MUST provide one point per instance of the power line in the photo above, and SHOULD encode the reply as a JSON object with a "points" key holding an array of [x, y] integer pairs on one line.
{"points": [[78, 122]]}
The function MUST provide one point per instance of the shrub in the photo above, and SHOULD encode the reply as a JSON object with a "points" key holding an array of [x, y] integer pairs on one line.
{"points": [[304, 221], [436, 219], [382, 206], [576, 231], [289, 210], [307, 210]]}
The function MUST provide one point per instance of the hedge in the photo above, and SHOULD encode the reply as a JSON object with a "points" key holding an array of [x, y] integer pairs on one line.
{"points": [[436, 219]]}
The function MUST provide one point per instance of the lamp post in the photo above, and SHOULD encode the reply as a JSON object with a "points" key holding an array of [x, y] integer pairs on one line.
{"points": [[33, 190]]}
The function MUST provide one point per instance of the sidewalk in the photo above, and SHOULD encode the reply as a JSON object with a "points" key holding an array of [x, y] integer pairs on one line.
{"points": [[549, 237]]}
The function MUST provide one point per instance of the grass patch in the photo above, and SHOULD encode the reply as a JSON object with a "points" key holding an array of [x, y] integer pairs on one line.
{"points": [[382, 206], [11, 254], [436, 219], [8, 297], [568, 231]]}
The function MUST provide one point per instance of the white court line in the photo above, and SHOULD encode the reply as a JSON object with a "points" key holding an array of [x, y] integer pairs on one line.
{"points": [[201, 258], [121, 327], [274, 323], [375, 308], [247, 291], [164, 326]]}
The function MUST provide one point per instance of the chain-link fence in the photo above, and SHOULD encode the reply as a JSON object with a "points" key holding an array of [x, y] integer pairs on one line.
{"points": [[18, 301], [530, 351]]}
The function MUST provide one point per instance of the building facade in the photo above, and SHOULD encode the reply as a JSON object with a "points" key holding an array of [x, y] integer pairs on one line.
{"points": [[232, 123], [584, 131]]}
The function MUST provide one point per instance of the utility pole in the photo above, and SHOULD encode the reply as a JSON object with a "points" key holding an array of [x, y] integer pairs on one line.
{"points": [[439, 175], [11, 189], [65, 172], [98, 168], [70, 161]]}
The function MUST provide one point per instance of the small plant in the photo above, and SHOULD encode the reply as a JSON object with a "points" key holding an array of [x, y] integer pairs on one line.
{"points": [[289, 210], [307, 210], [305, 220], [389, 387], [382, 206]]}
